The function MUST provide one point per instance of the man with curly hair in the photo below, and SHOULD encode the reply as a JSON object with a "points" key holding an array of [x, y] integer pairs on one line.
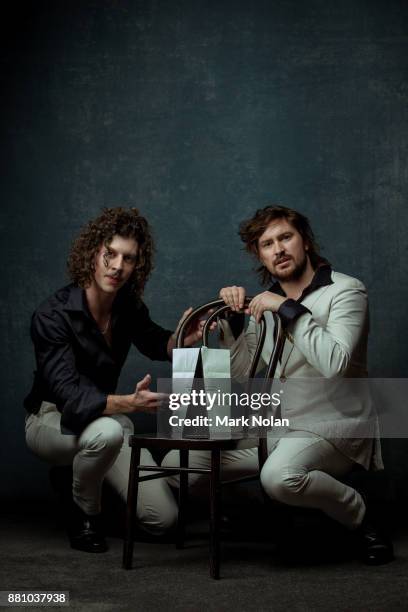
{"points": [[82, 335]]}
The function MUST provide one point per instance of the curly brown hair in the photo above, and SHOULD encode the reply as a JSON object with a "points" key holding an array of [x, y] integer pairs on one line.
{"points": [[124, 222], [252, 229]]}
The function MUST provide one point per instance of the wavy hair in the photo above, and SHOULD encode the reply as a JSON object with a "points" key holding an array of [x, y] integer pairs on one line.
{"points": [[252, 229], [124, 222]]}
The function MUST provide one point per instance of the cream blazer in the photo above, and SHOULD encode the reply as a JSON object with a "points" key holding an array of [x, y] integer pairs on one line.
{"points": [[323, 349]]}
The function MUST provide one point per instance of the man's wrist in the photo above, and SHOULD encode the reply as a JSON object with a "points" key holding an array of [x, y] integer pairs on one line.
{"points": [[116, 404]]}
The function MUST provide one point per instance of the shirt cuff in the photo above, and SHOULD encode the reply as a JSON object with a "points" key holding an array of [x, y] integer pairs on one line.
{"points": [[290, 310]]}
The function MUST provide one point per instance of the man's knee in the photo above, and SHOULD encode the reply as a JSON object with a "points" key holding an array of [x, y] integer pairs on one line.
{"points": [[196, 459], [158, 521], [284, 483], [103, 434], [125, 423]]}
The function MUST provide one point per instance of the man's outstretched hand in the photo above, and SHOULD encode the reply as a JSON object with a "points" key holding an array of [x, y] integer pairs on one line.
{"points": [[142, 400]]}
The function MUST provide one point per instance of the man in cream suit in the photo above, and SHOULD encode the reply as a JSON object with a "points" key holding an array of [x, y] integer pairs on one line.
{"points": [[325, 316]]}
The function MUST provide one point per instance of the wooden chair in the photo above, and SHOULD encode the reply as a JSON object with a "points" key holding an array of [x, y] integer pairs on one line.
{"points": [[184, 445]]}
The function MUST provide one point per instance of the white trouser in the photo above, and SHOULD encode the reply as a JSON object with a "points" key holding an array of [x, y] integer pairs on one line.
{"points": [[100, 451], [301, 470], [234, 464]]}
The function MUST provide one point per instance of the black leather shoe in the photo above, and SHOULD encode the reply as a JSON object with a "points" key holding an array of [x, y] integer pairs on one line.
{"points": [[374, 548], [85, 532]]}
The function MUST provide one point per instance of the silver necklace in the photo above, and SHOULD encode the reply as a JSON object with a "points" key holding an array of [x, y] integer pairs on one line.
{"points": [[104, 331]]}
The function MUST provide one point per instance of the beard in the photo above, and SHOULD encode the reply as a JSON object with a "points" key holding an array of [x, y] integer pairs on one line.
{"points": [[292, 273]]}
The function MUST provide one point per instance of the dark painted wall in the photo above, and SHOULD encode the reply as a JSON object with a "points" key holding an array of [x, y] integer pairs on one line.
{"points": [[198, 113]]}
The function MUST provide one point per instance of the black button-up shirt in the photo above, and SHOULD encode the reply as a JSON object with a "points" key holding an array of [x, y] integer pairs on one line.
{"points": [[76, 368], [291, 309]]}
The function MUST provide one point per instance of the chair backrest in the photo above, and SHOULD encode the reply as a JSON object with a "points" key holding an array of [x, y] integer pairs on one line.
{"points": [[218, 307]]}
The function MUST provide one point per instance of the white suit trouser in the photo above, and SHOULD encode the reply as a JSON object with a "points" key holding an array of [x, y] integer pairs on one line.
{"points": [[100, 451], [301, 470]]}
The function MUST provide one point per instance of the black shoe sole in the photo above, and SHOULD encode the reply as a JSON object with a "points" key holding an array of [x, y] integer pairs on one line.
{"points": [[380, 557], [83, 547]]}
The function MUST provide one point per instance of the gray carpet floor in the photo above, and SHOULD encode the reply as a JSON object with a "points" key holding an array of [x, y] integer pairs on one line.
{"points": [[254, 575]]}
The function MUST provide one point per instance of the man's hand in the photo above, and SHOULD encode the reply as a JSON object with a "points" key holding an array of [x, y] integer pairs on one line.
{"points": [[144, 400], [234, 297], [194, 331], [264, 301]]}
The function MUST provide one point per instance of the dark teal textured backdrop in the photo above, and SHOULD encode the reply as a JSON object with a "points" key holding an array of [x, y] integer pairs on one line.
{"points": [[199, 112]]}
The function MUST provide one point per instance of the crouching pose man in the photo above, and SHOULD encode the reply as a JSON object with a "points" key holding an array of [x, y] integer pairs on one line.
{"points": [[82, 335], [325, 315]]}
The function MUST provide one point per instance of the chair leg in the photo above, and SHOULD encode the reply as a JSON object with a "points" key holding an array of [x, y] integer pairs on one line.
{"points": [[131, 506], [215, 511], [183, 495]]}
